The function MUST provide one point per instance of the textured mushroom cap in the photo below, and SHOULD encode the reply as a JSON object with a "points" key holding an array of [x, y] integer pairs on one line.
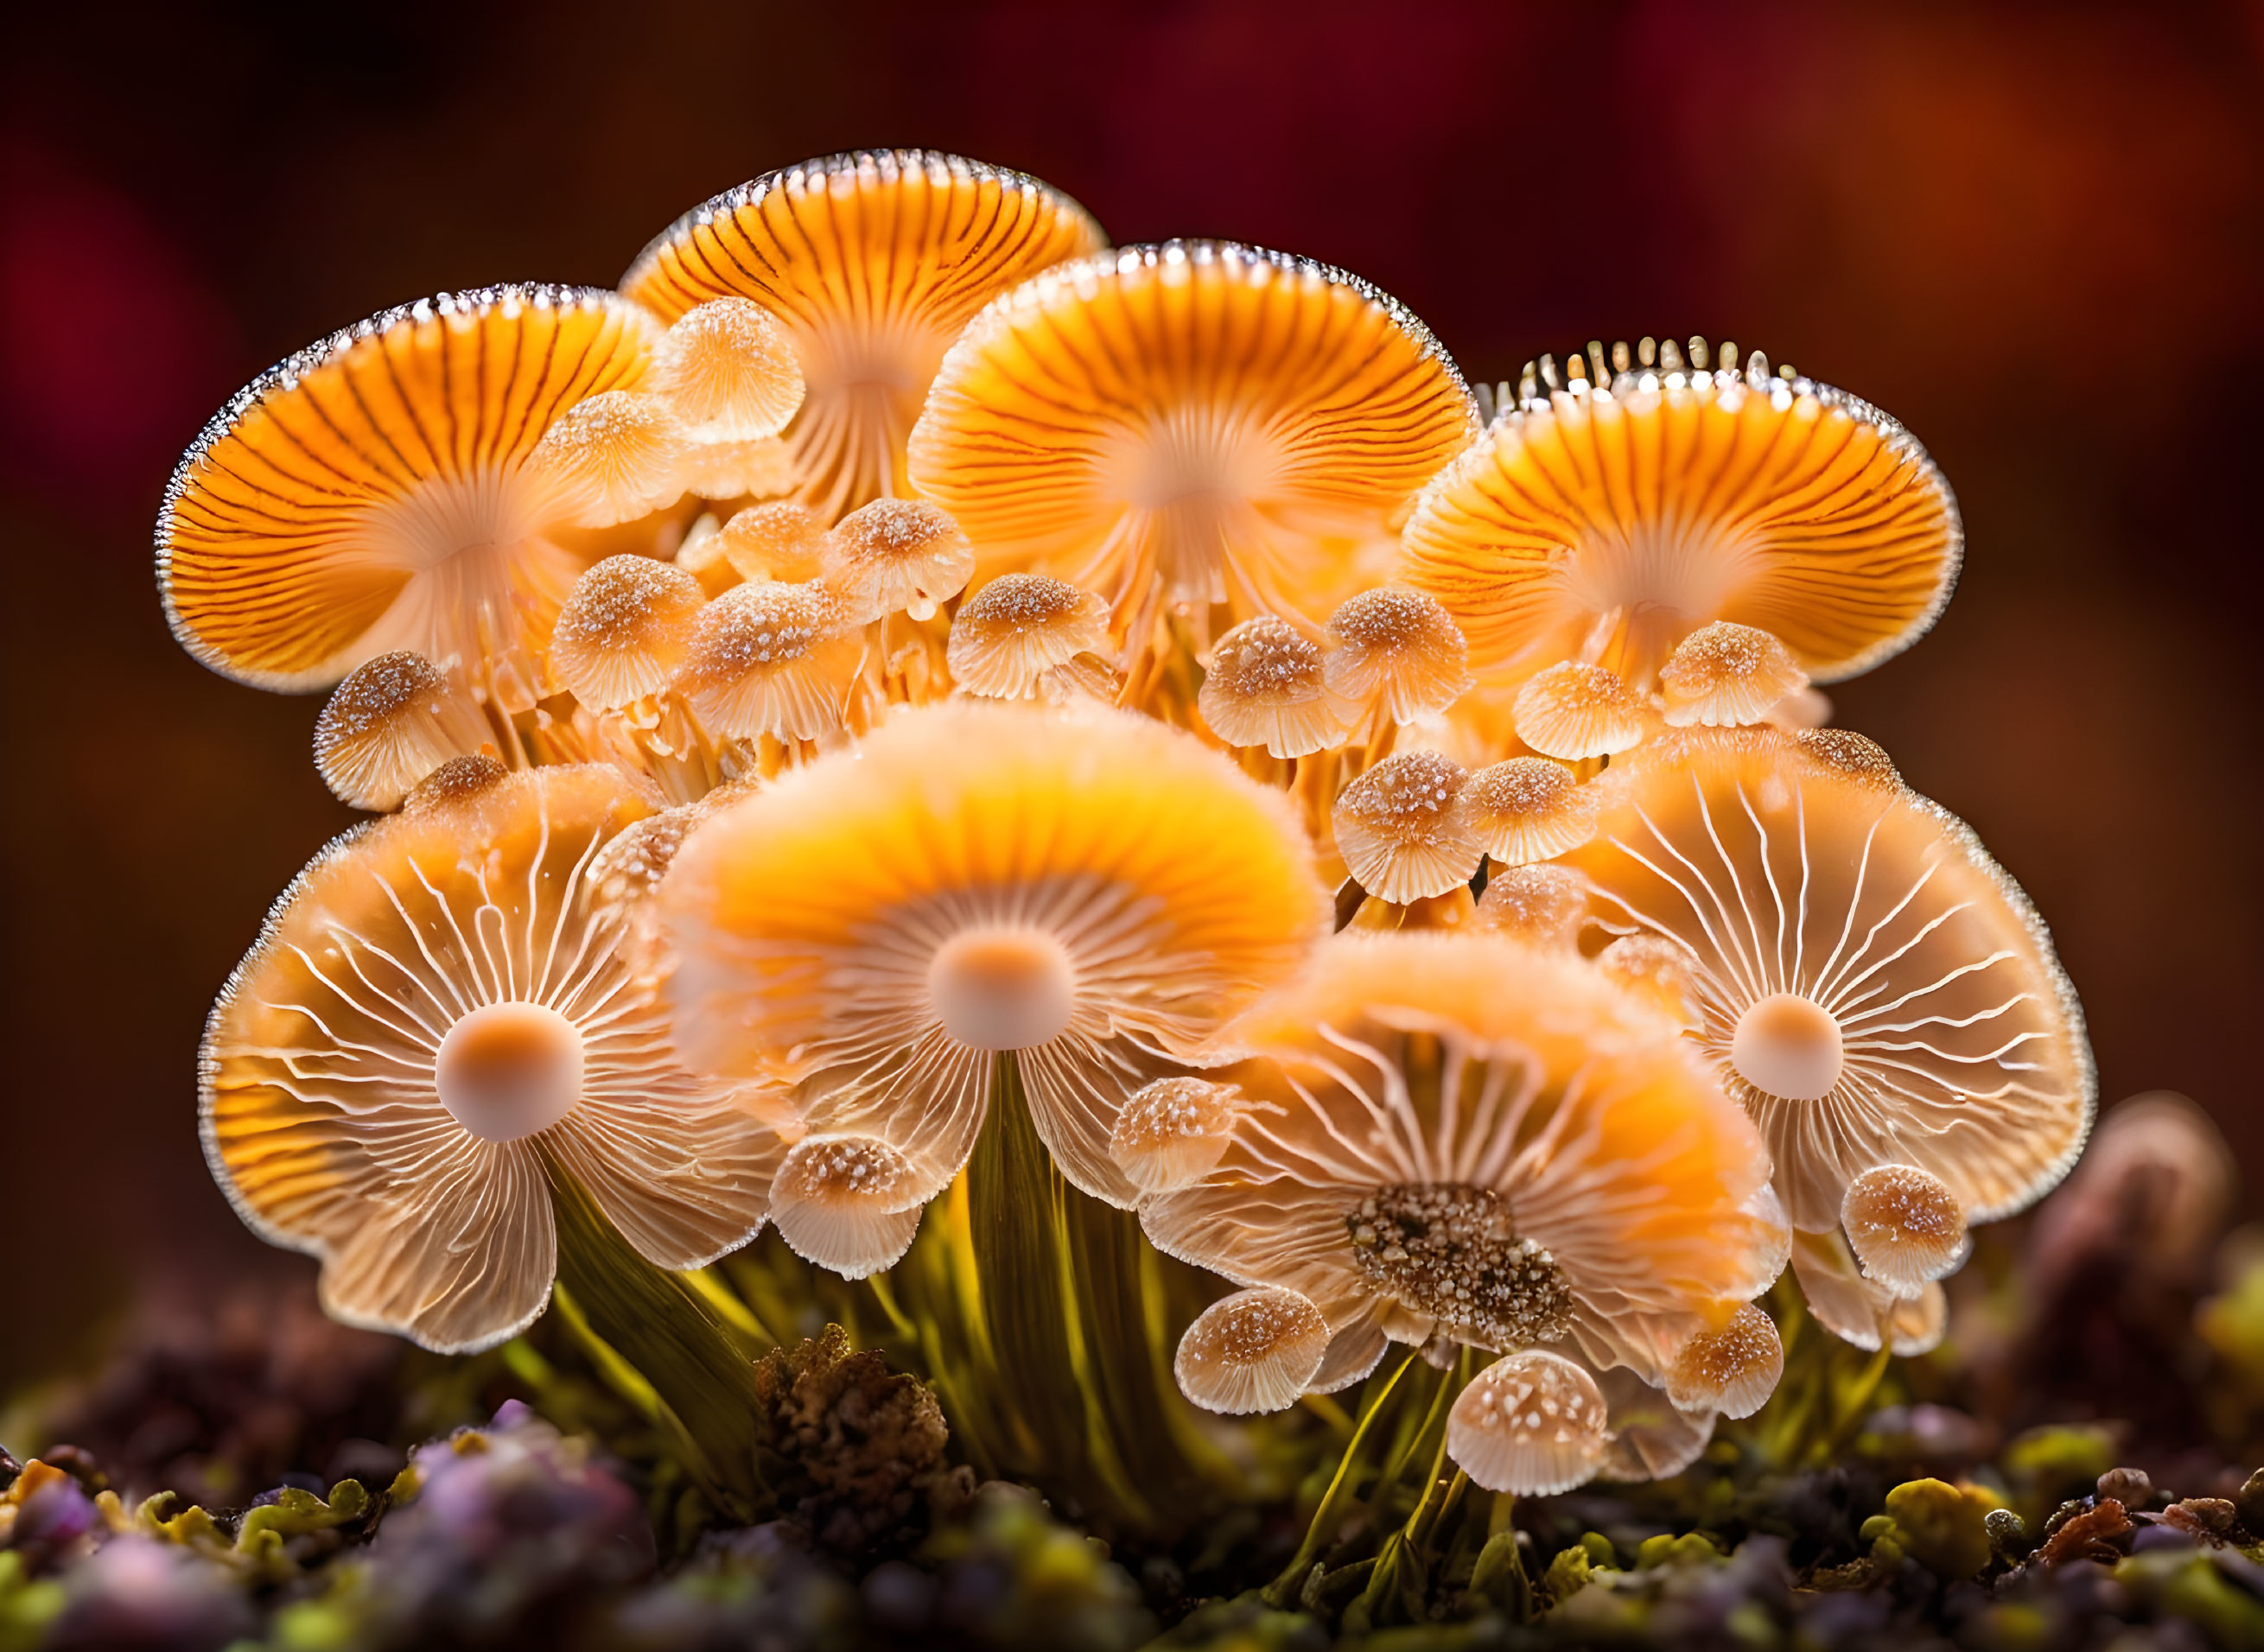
{"points": [[1498, 1091], [1397, 650], [372, 493], [1254, 1350], [871, 264], [1399, 832], [1798, 865], [807, 920], [728, 371], [1572, 710], [1544, 905], [782, 541], [1171, 1133], [392, 721], [1658, 971], [1607, 523], [323, 1114], [1733, 1370], [897, 555], [1218, 422], [612, 457], [760, 468], [848, 1203], [1725, 675], [1266, 687], [1526, 809], [625, 629], [770, 659], [1018, 627], [1533, 1423], [1905, 1227]]}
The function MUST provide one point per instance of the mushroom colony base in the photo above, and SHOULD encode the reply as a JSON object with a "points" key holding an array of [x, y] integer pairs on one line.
{"points": [[1056, 945]]}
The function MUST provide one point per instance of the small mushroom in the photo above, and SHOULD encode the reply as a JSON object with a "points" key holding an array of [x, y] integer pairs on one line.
{"points": [[849, 1203], [625, 628], [1543, 904], [1399, 831], [781, 541], [1267, 687], [1022, 631], [391, 723], [1725, 675], [897, 556], [1572, 711], [869, 263], [1904, 1225], [1170, 1134], [1864, 1311], [1532, 1423], [1196, 423], [1526, 809], [727, 370], [770, 660], [612, 458], [1397, 653], [1255, 1350], [1731, 1371]]}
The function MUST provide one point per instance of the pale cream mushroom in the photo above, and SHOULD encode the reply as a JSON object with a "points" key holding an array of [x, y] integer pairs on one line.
{"points": [[770, 660], [1572, 710], [1267, 687], [1396, 653], [1024, 633], [897, 556], [1170, 1134], [1532, 1423], [1399, 832], [624, 631], [1727, 675], [391, 723], [1731, 1371], [1524, 809], [1254, 1350]]}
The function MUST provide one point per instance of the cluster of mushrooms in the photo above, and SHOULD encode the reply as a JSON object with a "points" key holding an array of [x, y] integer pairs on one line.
{"points": [[1388, 827]]}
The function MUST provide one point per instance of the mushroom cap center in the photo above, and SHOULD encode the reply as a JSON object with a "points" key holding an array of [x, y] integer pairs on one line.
{"points": [[1004, 988], [507, 1070], [1787, 1046]]}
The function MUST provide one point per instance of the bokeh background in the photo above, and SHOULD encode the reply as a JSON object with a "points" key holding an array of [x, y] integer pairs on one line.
{"points": [[2034, 232]]}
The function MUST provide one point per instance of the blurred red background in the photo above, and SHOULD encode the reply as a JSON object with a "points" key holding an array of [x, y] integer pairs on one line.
{"points": [[2034, 233]]}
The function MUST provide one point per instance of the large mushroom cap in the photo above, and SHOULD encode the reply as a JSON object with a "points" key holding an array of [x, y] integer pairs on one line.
{"points": [[1605, 522], [374, 493], [1874, 988], [1200, 420], [435, 1021], [871, 264], [1096, 893]]}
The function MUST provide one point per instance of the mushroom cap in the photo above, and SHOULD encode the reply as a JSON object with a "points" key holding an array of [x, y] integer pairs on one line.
{"points": [[1856, 1310], [897, 555], [1905, 1227], [1798, 874], [334, 1125], [1604, 523], [391, 723], [1727, 675], [1015, 629], [727, 370], [1543, 904], [373, 492], [1566, 1162], [870, 263], [612, 458], [1171, 1133], [1733, 1370], [761, 468], [849, 1203], [1531, 1423], [1399, 831], [782, 541], [1254, 1350], [770, 659], [1267, 686], [1523, 809], [1225, 423], [625, 629], [955, 870], [1399, 650], [1572, 711]]}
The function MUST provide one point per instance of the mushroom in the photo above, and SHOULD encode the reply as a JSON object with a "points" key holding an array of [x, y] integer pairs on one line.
{"points": [[897, 556], [1255, 1350], [1872, 987], [1726, 675], [1188, 424], [1267, 687], [770, 660], [1532, 1423], [612, 458], [869, 263], [726, 369], [625, 630], [1545, 905], [1095, 892], [1604, 522], [434, 1025], [391, 723], [380, 491], [1447, 1137], [1523, 809], [1399, 831], [1866, 1312], [1572, 710], [1731, 1371], [1023, 634], [1398, 653], [783, 541], [1171, 1133]]}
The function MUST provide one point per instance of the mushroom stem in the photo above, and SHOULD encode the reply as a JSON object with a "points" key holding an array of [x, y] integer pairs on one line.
{"points": [[671, 1334], [1377, 1408]]}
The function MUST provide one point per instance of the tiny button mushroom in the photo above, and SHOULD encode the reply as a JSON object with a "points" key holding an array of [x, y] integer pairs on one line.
{"points": [[509, 1070], [1533, 1423], [1540, 903], [1396, 651], [1010, 635], [1785, 1045], [1526, 809], [1267, 686], [768, 659], [1003, 988], [612, 458], [1255, 1350], [392, 721], [726, 368], [897, 556], [1904, 1225], [848, 1203], [1732, 1371], [1171, 1133], [625, 630], [1572, 710], [781, 541], [1727, 675], [1399, 832]]}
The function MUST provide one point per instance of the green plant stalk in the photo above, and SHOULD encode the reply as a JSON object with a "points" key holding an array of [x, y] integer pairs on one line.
{"points": [[1319, 1531]]}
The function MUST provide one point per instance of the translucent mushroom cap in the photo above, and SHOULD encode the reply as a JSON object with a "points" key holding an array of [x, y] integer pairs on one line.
{"points": [[625, 630], [1095, 892], [1011, 631], [1526, 809], [612, 458], [1532, 1423], [1399, 830], [726, 369], [1874, 988], [770, 659], [896, 556], [1572, 710], [1267, 686], [870, 264], [374, 492], [1398, 650], [392, 721], [434, 1023], [1732, 1370], [1605, 522], [1450, 1134], [1253, 1350], [1725, 675], [1198, 421], [782, 541]]}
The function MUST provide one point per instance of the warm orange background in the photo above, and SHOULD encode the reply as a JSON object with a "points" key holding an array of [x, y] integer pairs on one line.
{"points": [[2032, 232]]}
